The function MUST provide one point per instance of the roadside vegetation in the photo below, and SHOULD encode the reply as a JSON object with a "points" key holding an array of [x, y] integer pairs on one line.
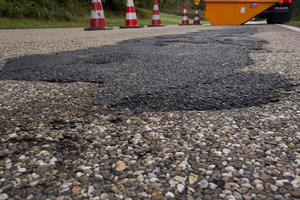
{"points": [[295, 18], [76, 13]]}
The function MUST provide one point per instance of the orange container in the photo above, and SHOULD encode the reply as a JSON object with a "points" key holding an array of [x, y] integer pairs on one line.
{"points": [[234, 12]]}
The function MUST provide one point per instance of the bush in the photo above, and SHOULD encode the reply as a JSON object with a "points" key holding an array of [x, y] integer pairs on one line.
{"points": [[52, 10], [143, 13]]}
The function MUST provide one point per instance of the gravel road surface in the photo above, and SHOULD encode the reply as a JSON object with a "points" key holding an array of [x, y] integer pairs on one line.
{"points": [[76, 133]]}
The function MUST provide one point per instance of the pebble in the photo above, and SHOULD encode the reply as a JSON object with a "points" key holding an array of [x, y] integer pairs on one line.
{"points": [[170, 195], [281, 183], [180, 188], [57, 139], [193, 178], [259, 186], [4, 196], [121, 166], [180, 179], [22, 170], [203, 183], [274, 188]]}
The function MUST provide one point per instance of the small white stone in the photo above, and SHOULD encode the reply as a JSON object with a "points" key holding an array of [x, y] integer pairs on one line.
{"points": [[286, 174], [172, 183], [32, 184], [247, 185], [230, 169], [209, 172], [179, 153], [228, 175], [180, 179], [119, 196], [281, 182], [180, 188], [147, 128], [99, 177], [226, 151], [22, 157], [259, 186], [169, 195], [210, 167], [257, 181], [34, 175], [90, 190], [79, 174], [53, 160], [212, 186], [274, 188], [241, 171], [22, 170], [218, 153], [104, 196], [235, 127], [4, 196], [167, 176], [296, 183], [203, 183], [230, 197], [153, 179]]}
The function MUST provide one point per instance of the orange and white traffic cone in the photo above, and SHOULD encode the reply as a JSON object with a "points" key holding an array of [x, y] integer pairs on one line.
{"points": [[185, 18], [196, 18], [155, 17], [97, 17], [131, 19]]}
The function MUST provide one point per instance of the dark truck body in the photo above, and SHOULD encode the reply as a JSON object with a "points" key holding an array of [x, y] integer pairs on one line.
{"points": [[279, 13]]}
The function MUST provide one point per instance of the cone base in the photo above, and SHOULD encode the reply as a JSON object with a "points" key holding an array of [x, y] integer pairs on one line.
{"points": [[161, 25], [140, 26], [96, 29]]}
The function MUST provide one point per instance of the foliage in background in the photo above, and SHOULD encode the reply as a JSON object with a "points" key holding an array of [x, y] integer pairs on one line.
{"points": [[51, 10], [70, 10], [77, 12], [295, 10]]}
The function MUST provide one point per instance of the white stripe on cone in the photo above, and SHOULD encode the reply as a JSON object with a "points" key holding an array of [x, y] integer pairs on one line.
{"points": [[197, 12], [98, 14], [96, 1], [185, 18], [130, 3], [196, 18], [155, 7], [155, 17], [184, 11], [130, 16]]}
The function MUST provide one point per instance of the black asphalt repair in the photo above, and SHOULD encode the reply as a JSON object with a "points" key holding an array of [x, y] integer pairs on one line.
{"points": [[194, 71]]}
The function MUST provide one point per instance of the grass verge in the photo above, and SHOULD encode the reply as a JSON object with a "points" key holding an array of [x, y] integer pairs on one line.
{"points": [[294, 23], [111, 20], [7, 23]]}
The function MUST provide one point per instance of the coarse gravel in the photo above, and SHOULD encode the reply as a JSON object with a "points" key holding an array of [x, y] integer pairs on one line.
{"points": [[58, 144]]}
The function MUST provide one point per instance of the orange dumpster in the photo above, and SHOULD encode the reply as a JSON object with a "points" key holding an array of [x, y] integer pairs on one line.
{"points": [[234, 12]]}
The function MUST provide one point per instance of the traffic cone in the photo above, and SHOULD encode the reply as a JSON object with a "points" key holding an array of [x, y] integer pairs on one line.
{"points": [[155, 17], [185, 18], [131, 19], [97, 17], [196, 18]]}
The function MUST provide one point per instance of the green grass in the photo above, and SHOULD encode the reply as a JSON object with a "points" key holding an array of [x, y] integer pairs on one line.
{"points": [[294, 23], [6, 23], [111, 20]]}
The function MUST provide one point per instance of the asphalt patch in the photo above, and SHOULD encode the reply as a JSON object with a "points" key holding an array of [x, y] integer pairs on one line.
{"points": [[194, 71]]}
